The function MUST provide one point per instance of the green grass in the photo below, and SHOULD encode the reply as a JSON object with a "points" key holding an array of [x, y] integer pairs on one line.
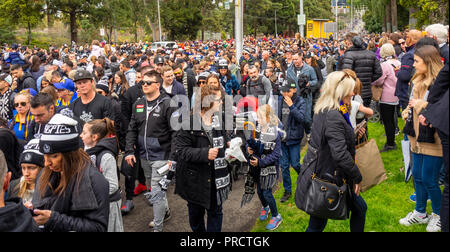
{"points": [[387, 203]]}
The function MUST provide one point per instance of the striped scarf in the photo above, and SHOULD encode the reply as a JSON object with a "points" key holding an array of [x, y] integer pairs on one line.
{"points": [[222, 175]]}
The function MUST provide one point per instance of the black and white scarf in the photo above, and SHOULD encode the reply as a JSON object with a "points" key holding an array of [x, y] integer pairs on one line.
{"points": [[222, 175], [268, 175], [264, 145]]}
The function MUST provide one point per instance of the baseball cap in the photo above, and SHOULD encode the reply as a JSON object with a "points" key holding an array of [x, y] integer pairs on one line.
{"points": [[309, 55], [287, 86], [65, 84], [82, 74]]}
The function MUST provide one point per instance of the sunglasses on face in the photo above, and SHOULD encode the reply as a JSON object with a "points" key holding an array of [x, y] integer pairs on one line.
{"points": [[23, 104], [149, 83], [178, 72]]}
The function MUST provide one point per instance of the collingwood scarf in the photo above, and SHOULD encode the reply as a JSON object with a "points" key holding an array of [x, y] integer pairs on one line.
{"points": [[222, 175], [265, 176]]}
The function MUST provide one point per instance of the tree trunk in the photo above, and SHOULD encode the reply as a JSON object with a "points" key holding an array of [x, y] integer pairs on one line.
{"points": [[254, 26], [394, 15], [73, 26], [135, 32], [412, 19], [29, 33], [388, 18], [49, 16]]}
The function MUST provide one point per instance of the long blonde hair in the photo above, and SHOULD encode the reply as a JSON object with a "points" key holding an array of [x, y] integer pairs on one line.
{"points": [[337, 86], [432, 59]]}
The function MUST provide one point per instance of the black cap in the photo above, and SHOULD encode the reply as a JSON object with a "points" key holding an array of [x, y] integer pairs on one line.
{"points": [[287, 86], [82, 74], [158, 60]]}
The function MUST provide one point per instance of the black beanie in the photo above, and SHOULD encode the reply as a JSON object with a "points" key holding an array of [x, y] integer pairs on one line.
{"points": [[60, 135], [31, 154]]}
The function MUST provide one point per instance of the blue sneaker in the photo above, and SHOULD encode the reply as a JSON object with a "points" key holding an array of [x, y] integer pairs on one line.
{"points": [[264, 213], [413, 197], [274, 222]]}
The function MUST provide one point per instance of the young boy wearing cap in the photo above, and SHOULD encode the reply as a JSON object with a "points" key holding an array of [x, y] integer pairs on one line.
{"points": [[291, 111]]}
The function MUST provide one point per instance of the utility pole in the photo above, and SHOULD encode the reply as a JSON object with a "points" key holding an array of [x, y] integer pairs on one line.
{"points": [[302, 26], [276, 31], [337, 24], [238, 18], [351, 15], [159, 22]]}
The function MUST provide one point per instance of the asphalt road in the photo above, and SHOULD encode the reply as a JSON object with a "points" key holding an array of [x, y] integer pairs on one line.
{"points": [[235, 218]]}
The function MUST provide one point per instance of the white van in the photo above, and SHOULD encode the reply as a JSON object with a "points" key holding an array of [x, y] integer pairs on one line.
{"points": [[163, 44]]}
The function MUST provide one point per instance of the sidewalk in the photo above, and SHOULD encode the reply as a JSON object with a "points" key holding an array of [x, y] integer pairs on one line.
{"points": [[235, 218]]}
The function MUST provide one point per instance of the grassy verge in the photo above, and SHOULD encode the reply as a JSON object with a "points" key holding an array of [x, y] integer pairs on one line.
{"points": [[387, 203]]}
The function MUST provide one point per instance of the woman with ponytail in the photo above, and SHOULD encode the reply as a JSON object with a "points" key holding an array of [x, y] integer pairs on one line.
{"points": [[101, 144]]}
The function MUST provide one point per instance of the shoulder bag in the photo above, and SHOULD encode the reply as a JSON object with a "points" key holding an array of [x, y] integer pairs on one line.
{"points": [[322, 198]]}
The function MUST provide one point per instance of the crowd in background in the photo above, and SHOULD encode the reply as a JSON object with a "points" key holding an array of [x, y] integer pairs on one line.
{"points": [[68, 113]]}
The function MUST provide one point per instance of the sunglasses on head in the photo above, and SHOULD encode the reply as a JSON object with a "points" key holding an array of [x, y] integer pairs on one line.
{"points": [[23, 104]]}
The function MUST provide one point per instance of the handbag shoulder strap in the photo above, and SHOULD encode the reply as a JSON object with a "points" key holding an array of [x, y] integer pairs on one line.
{"points": [[322, 137]]}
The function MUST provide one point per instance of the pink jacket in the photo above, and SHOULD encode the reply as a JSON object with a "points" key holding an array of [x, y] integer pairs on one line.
{"points": [[388, 81]]}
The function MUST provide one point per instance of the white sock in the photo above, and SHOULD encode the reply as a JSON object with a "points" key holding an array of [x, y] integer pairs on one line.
{"points": [[420, 215]]}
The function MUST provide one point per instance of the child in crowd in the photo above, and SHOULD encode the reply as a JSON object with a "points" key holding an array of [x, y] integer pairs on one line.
{"points": [[101, 144]]}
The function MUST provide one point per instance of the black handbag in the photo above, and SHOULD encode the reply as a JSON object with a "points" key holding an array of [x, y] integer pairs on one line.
{"points": [[325, 199], [409, 125], [320, 197]]}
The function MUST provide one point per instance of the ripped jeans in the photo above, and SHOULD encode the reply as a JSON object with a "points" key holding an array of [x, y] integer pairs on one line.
{"points": [[158, 197]]}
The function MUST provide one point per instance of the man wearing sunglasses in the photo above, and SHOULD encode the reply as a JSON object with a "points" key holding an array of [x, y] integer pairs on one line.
{"points": [[151, 132]]}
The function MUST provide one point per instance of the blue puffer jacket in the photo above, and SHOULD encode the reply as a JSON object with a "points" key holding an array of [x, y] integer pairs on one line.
{"points": [[231, 85], [404, 75], [294, 127]]}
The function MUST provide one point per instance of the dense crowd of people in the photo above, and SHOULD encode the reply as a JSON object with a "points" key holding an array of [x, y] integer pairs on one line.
{"points": [[69, 113]]}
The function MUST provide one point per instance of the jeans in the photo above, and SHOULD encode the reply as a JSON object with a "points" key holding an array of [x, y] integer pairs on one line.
{"points": [[426, 175], [197, 218], [358, 209], [388, 115], [267, 199], [290, 156], [158, 198]]}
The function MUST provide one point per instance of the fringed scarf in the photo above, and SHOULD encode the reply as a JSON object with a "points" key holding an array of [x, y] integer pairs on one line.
{"points": [[267, 175], [222, 175]]}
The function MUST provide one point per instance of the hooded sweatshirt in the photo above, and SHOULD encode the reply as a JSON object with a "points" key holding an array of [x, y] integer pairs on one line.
{"points": [[15, 217]]}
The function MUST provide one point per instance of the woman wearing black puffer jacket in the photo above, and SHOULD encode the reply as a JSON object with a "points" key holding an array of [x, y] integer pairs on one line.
{"points": [[71, 194], [333, 139]]}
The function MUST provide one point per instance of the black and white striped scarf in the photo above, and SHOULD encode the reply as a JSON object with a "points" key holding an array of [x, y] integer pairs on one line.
{"points": [[222, 175]]}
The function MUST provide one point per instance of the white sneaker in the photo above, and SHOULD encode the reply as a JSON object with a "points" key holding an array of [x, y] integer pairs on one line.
{"points": [[435, 223], [413, 218]]}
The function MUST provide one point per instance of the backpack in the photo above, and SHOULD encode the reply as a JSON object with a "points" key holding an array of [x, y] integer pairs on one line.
{"points": [[97, 160]]}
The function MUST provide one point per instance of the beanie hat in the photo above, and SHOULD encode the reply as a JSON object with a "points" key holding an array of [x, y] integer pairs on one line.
{"points": [[60, 135], [31, 154]]}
